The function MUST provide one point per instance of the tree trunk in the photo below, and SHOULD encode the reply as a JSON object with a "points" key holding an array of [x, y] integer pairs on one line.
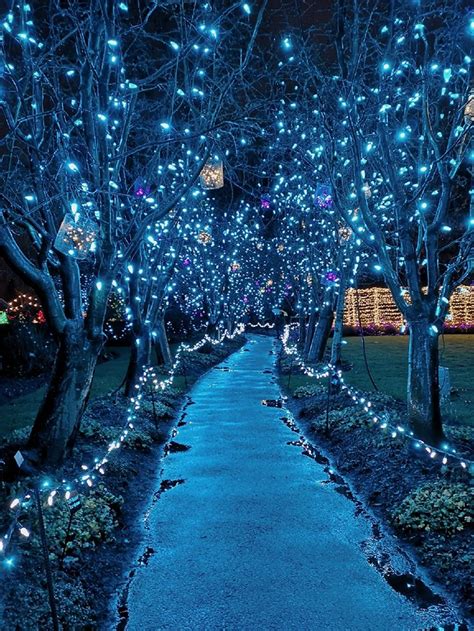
{"points": [[423, 395], [163, 344], [336, 347], [302, 332], [140, 353], [58, 419], [212, 330], [309, 333], [321, 334]]}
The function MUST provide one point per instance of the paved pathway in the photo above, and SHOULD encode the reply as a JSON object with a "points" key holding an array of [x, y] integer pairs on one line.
{"points": [[255, 537]]}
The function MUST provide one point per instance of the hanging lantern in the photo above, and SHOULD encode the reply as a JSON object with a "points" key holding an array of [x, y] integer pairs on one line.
{"points": [[235, 266], [39, 318], [366, 190], [265, 202], [76, 236], [204, 237], [469, 109], [323, 197], [140, 188], [331, 277], [212, 174], [23, 308], [345, 233]]}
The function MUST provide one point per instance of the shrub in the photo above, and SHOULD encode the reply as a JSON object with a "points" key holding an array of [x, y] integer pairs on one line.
{"points": [[16, 437], [441, 506], [462, 437], [162, 411], [94, 522], [137, 438], [170, 397], [92, 428], [309, 391], [345, 419]]}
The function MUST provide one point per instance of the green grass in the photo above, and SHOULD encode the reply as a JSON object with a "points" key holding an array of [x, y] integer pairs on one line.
{"points": [[21, 411], [387, 359], [386, 355]]}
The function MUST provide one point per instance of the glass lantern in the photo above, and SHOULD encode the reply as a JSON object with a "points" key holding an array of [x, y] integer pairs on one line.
{"points": [[76, 236], [212, 174], [469, 109], [323, 196]]}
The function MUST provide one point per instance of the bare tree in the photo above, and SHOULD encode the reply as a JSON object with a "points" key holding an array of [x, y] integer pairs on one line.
{"points": [[376, 106], [394, 133], [76, 83]]}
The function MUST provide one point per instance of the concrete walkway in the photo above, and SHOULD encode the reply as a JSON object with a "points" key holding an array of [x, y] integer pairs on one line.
{"points": [[252, 536]]}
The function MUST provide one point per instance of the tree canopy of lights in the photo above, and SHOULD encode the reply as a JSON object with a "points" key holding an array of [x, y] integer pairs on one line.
{"points": [[110, 115], [198, 156]]}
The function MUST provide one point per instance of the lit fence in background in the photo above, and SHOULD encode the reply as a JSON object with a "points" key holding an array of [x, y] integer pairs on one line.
{"points": [[378, 309]]}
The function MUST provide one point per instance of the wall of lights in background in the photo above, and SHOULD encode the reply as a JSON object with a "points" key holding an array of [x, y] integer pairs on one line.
{"points": [[376, 307]]}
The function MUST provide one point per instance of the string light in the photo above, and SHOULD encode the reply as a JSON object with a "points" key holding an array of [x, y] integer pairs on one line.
{"points": [[376, 307], [88, 472], [443, 455]]}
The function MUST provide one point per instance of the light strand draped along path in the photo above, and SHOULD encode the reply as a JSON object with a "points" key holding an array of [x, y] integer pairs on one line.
{"points": [[248, 534]]}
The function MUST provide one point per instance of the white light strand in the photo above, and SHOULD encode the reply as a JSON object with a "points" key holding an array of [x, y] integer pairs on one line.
{"points": [[87, 476], [446, 455]]}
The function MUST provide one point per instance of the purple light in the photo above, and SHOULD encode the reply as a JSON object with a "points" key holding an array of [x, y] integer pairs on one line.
{"points": [[323, 198], [265, 202], [324, 202], [186, 261], [140, 188], [332, 277]]}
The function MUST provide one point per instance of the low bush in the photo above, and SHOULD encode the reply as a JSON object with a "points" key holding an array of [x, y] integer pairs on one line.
{"points": [[309, 391], [345, 419], [441, 507], [158, 409], [137, 438]]}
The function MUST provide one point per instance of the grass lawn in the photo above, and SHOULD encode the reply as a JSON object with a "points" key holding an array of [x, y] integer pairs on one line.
{"points": [[21, 411], [387, 359]]}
